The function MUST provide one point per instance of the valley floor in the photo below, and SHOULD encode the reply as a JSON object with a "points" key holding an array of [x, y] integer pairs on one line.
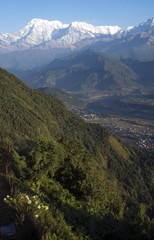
{"points": [[130, 116], [134, 131]]}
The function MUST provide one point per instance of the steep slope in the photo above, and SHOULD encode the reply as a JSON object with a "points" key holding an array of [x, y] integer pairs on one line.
{"points": [[27, 112], [84, 71], [81, 173], [70, 101]]}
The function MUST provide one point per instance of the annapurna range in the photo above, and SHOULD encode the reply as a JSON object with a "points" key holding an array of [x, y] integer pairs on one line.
{"points": [[42, 41], [40, 31], [44, 33]]}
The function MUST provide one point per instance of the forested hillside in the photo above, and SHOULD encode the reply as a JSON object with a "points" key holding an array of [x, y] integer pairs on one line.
{"points": [[62, 178], [70, 101], [84, 71]]}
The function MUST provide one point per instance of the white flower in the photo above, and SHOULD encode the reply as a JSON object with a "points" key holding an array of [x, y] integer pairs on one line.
{"points": [[46, 207], [34, 197], [36, 215], [36, 202], [4, 199], [7, 196], [27, 197], [29, 201], [38, 206]]}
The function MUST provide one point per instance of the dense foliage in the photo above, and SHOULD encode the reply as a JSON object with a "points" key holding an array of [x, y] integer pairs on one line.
{"points": [[82, 200], [66, 179]]}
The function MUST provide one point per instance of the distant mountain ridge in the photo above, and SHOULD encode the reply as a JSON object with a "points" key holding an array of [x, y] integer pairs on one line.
{"points": [[42, 41], [39, 32], [84, 71], [54, 33]]}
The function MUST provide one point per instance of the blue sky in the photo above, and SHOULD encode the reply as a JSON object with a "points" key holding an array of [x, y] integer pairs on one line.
{"points": [[15, 14]]}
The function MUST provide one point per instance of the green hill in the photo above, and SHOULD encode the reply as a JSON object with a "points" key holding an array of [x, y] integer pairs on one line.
{"points": [[67, 179], [70, 101], [84, 71]]}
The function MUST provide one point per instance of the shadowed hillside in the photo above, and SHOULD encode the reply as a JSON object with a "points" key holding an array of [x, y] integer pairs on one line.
{"points": [[84, 71]]}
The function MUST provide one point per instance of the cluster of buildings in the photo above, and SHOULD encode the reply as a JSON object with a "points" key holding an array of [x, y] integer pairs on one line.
{"points": [[141, 137]]}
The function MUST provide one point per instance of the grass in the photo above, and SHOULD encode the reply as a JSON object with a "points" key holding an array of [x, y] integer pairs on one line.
{"points": [[118, 148]]}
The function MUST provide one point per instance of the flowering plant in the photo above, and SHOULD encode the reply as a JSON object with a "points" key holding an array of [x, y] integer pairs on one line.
{"points": [[26, 206]]}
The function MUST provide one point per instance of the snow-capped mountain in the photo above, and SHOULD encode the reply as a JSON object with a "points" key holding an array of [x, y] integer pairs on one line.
{"points": [[51, 34], [35, 33], [39, 32], [42, 41], [144, 27]]}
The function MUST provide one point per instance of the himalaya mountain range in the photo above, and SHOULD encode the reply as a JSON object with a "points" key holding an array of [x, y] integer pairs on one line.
{"points": [[42, 41], [42, 32]]}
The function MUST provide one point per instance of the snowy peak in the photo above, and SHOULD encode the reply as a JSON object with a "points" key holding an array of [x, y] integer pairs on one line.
{"points": [[149, 23], [129, 28], [142, 27], [39, 31], [40, 23], [36, 32], [83, 26]]}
